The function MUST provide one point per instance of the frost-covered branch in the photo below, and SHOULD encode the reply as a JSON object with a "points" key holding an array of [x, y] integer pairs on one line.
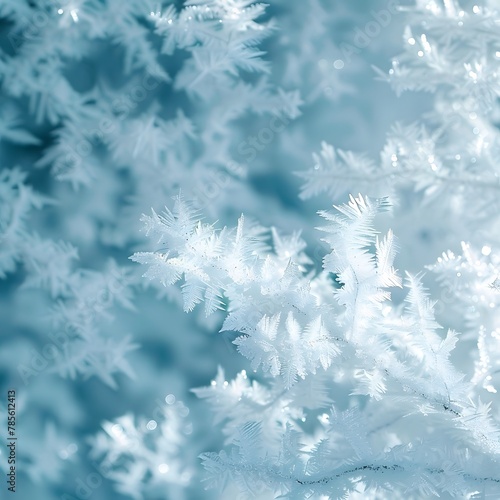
{"points": [[387, 351]]}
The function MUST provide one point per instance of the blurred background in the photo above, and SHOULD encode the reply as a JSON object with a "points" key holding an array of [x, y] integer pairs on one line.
{"points": [[84, 339]]}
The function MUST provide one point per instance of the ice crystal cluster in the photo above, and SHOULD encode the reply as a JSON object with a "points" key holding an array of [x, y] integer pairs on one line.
{"points": [[217, 280]]}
